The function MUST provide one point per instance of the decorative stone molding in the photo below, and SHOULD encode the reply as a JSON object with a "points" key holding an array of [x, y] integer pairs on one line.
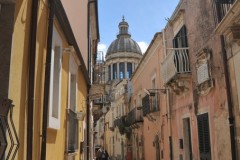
{"points": [[204, 75]]}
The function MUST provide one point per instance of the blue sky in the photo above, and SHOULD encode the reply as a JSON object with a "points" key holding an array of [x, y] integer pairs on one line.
{"points": [[145, 18]]}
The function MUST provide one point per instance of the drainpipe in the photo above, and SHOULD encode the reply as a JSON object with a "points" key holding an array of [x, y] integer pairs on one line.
{"points": [[229, 99], [47, 78], [90, 75], [169, 124], [168, 104], [32, 55], [88, 123]]}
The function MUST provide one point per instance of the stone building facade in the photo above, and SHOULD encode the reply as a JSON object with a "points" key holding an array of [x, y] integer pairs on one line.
{"points": [[122, 58], [193, 72], [44, 77], [228, 28]]}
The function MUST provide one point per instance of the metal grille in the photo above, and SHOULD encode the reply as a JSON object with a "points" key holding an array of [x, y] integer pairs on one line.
{"points": [[150, 104], [135, 116], [176, 62], [9, 142], [221, 8]]}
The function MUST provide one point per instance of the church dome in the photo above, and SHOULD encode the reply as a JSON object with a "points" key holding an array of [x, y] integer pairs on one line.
{"points": [[124, 42]]}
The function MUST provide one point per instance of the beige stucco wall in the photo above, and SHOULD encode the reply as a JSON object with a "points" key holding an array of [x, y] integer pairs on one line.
{"points": [[234, 75], [19, 73], [77, 14], [148, 69], [56, 139], [200, 29]]}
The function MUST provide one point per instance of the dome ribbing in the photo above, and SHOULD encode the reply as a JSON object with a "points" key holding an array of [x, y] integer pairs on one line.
{"points": [[124, 42]]}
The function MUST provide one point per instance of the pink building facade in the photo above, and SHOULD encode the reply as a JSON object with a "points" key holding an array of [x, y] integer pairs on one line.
{"points": [[180, 88], [192, 70], [146, 122]]}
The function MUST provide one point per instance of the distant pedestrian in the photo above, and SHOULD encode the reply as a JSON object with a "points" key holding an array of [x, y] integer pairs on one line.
{"points": [[99, 153], [104, 155]]}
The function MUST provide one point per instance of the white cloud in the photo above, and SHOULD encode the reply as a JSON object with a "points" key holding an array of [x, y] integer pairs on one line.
{"points": [[102, 48], [143, 46]]}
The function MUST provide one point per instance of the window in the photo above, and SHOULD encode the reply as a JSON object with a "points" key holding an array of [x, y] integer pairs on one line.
{"points": [[180, 40], [129, 70], [114, 71], [181, 59], [73, 69], [109, 72], [221, 8], [73, 92], [121, 70], [72, 121], [224, 1], [204, 137], [55, 82], [154, 98], [72, 132]]}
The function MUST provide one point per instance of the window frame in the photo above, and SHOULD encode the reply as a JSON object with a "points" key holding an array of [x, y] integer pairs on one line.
{"points": [[72, 123], [54, 122]]}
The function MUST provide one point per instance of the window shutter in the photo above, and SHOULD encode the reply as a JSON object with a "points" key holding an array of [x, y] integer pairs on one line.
{"points": [[146, 105], [180, 40], [224, 1], [184, 37], [175, 44], [204, 137]]}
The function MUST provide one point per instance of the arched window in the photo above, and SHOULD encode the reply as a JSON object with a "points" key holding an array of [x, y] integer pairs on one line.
{"points": [[121, 70], [129, 70], [109, 72], [114, 71]]}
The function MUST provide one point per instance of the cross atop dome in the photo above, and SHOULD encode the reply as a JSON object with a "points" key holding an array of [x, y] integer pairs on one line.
{"points": [[123, 28]]}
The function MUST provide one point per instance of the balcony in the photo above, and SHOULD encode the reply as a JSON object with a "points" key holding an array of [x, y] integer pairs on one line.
{"points": [[150, 105], [135, 116], [221, 8], [119, 121], [175, 64], [9, 141], [227, 20], [122, 124]]}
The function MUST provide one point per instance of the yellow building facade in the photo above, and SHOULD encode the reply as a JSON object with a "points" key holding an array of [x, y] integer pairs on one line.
{"points": [[46, 79]]}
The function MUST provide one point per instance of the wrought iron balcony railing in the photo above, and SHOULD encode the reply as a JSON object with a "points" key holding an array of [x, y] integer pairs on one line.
{"points": [[150, 104], [221, 8], [176, 62], [135, 116], [9, 142], [119, 121]]}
